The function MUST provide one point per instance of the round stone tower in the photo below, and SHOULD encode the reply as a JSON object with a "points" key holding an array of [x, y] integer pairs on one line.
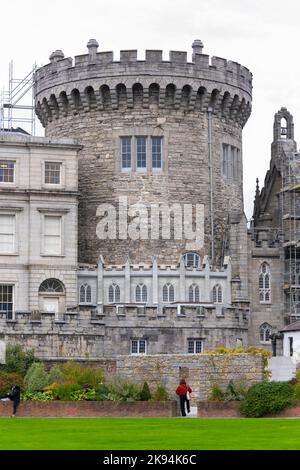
{"points": [[154, 133]]}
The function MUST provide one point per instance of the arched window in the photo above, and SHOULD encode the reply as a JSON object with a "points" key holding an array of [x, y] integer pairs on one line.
{"points": [[217, 295], [85, 294], [114, 293], [168, 293], [52, 285], [194, 293], [264, 284], [141, 293], [191, 260], [264, 333]]}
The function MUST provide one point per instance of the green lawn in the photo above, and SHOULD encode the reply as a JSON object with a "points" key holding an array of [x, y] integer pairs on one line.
{"points": [[148, 434]]}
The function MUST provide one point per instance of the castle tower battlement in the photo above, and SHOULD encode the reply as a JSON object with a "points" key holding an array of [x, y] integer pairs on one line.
{"points": [[96, 81], [156, 132]]}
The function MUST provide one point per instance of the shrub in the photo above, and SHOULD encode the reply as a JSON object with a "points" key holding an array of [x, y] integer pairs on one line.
{"points": [[296, 389], [56, 375], [7, 379], [64, 391], [145, 393], [235, 391], [17, 360], [267, 398], [37, 396], [89, 376], [160, 393], [122, 390], [83, 394], [102, 392], [216, 393], [36, 378]]}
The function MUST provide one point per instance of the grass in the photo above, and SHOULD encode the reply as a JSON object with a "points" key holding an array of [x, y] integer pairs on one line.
{"points": [[149, 434]]}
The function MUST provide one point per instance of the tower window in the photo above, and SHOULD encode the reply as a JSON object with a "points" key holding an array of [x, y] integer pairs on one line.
{"points": [[156, 152], [126, 152], [231, 162], [191, 260], [141, 153], [264, 284]]}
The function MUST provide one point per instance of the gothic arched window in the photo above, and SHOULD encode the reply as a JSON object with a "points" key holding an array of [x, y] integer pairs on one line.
{"points": [[264, 333], [264, 283], [85, 294], [168, 293], [217, 295], [191, 260], [141, 293], [114, 293], [194, 293]]}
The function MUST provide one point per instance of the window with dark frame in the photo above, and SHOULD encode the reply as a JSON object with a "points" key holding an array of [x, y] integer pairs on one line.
{"points": [[141, 153], [7, 171], [52, 173], [195, 346], [138, 346], [156, 146], [7, 300], [126, 152]]}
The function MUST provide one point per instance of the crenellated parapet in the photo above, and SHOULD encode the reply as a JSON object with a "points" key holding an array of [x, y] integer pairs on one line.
{"points": [[95, 82]]}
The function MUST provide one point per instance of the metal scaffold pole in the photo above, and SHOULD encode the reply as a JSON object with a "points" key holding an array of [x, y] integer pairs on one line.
{"points": [[17, 103]]}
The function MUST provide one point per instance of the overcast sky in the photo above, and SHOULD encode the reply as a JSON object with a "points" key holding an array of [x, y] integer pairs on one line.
{"points": [[262, 35]]}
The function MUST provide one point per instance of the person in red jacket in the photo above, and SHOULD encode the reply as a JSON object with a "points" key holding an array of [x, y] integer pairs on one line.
{"points": [[182, 391]]}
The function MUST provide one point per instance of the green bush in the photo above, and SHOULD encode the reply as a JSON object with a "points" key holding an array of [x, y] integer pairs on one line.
{"points": [[296, 389], [36, 378], [89, 376], [145, 393], [17, 360], [7, 379], [160, 393], [235, 391], [267, 398], [83, 394], [216, 393], [56, 375], [64, 391], [102, 392], [37, 396], [122, 390]]}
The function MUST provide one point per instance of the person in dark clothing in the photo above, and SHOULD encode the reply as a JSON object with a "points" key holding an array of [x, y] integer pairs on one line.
{"points": [[182, 391], [14, 396]]}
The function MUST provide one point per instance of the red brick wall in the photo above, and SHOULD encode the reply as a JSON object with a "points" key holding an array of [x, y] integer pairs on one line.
{"points": [[210, 409], [91, 409]]}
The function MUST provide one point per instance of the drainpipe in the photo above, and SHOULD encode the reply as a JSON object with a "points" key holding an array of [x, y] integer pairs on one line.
{"points": [[210, 168]]}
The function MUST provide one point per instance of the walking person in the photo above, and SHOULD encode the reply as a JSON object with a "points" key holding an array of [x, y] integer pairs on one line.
{"points": [[182, 390], [14, 396]]}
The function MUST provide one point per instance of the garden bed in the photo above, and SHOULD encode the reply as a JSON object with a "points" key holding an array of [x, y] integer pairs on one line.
{"points": [[91, 409], [231, 409]]}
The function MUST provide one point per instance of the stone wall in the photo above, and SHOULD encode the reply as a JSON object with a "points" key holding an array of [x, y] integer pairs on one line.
{"points": [[200, 370]]}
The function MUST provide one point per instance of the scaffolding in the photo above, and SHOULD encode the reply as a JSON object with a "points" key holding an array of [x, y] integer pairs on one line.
{"points": [[290, 210], [17, 103]]}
